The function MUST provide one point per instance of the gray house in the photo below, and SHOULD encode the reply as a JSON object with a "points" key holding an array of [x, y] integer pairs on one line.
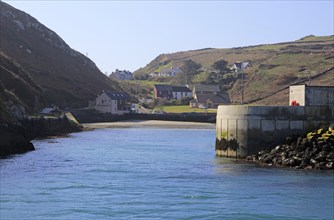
{"points": [[208, 96], [206, 89]]}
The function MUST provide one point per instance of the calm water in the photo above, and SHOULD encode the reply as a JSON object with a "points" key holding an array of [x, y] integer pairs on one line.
{"points": [[153, 174]]}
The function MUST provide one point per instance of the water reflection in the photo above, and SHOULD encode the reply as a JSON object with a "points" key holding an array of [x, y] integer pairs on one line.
{"points": [[232, 165]]}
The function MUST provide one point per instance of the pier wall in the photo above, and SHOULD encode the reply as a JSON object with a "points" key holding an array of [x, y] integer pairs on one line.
{"points": [[16, 138], [89, 116], [246, 130], [50, 126]]}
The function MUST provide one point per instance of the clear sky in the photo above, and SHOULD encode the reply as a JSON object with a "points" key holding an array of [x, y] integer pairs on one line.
{"points": [[129, 34]]}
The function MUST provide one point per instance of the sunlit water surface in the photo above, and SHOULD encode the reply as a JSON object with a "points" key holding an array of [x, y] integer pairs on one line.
{"points": [[154, 174]]}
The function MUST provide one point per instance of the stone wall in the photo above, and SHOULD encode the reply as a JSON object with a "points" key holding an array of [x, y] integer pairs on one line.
{"points": [[91, 116], [16, 138], [257, 128]]}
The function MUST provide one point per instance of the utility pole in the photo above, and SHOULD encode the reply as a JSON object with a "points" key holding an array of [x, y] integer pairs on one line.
{"points": [[242, 87], [186, 78]]}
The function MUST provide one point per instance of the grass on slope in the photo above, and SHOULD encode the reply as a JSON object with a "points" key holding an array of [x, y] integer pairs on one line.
{"points": [[185, 108], [274, 66], [136, 87]]}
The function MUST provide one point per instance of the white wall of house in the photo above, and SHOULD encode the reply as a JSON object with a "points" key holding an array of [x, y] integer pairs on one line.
{"points": [[180, 95], [103, 100], [106, 105]]}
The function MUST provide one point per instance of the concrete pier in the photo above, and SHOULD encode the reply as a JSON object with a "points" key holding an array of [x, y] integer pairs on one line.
{"points": [[246, 130]]}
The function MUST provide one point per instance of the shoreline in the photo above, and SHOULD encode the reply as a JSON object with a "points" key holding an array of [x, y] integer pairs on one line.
{"points": [[150, 124], [17, 139]]}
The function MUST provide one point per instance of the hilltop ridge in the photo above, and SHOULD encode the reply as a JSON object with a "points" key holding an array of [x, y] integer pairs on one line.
{"points": [[274, 68]]}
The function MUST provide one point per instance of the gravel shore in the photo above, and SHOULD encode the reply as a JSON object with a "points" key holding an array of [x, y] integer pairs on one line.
{"points": [[151, 124]]}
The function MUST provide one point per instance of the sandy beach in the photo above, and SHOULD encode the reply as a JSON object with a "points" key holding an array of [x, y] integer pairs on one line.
{"points": [[151, 124]]}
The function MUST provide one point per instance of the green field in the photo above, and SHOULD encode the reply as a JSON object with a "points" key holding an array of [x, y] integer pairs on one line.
{"points": [[184, 108]]}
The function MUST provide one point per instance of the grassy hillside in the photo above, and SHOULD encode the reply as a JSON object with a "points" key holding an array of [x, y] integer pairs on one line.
{"points": [[64, 76], [274, 67], [15, 80]]}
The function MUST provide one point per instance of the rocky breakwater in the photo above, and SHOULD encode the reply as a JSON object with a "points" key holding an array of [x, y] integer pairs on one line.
{"points": [[15, 138], [315, 151]]}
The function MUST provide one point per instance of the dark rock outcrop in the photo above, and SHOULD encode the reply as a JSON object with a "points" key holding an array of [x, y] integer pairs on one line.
{"points": [[315, 151], [14, 140]]}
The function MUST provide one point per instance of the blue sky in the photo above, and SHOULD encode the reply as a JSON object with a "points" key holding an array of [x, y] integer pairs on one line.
{"points": [[130, 34]]}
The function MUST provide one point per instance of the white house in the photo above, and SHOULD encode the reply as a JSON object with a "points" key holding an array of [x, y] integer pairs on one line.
{"points": [[172, 71], [171, 92], [180, 92], [113, 102], [135, 108], [122, 75], [166, 72]]}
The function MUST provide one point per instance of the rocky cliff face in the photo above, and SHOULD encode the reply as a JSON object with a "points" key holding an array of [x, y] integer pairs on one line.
{"points": [[39, 69], [14, 138], [61, 75]]}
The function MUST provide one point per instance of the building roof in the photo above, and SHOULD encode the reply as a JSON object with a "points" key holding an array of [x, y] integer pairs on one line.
{"points": [[113, 95], [221, 98], [207, 88], [162, 87], [180, 89], [242, 65]]}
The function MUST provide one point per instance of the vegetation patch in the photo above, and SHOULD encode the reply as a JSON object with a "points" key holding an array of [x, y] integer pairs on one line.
{"points": [[225, 144], [185, 109]]}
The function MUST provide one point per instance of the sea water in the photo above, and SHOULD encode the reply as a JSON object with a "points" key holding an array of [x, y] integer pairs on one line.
{"points": [[151, 173]]}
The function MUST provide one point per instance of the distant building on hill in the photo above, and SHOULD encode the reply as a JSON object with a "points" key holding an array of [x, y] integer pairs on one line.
{"points": [[113, 102], [171, 92], [238, 67], [166, 72], [122, 75], [208, 96]]}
